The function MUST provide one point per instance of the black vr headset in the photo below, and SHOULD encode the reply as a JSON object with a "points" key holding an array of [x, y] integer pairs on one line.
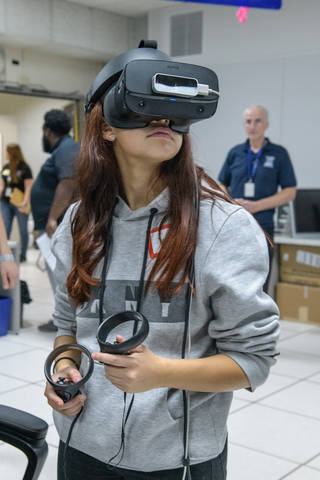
{"points": [[144, 84]]}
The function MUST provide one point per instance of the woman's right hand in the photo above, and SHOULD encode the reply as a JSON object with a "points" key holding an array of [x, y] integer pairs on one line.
{"points": [[23, 207], [72, 407]]}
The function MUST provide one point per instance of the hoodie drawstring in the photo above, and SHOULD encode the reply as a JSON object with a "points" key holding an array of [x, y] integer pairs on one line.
{"points": [[125, 415]]}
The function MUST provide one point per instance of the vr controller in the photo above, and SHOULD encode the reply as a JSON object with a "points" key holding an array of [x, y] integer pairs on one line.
{"points": [[65, 388], [114, 321]]}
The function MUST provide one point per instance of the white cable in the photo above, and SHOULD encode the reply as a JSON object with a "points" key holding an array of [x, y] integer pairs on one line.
{"points": [[184, 473], [204, 90]]}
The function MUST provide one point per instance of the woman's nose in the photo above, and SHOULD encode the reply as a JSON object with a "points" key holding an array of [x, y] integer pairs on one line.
{"points": [[161, 121]]}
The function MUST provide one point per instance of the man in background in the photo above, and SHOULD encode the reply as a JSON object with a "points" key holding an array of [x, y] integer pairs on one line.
{"points": [[253, 172], [53, 189]]}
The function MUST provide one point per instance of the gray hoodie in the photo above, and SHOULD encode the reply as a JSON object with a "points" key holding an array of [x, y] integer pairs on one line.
{"points": [[230, 314]]}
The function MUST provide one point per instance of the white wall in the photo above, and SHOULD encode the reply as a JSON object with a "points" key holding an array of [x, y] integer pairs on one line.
{"points": [[60, 45], [64, 27], [273, 59], [8, 133], [54, 72]]}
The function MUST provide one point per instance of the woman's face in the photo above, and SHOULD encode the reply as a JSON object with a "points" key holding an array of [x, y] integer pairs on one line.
{"points": [[153, 144]]}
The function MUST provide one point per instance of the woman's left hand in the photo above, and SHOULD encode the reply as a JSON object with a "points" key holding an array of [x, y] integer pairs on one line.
{"points": [[139, 371]]}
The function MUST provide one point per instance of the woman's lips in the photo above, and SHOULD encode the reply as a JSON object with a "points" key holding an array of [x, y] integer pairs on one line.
{"points": [[161, 132]]}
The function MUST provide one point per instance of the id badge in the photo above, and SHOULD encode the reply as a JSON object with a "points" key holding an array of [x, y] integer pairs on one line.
{"points": [[249, 189]]}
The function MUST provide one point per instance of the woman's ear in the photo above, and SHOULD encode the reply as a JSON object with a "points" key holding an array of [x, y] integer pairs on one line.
{"points": [[108, 133]]}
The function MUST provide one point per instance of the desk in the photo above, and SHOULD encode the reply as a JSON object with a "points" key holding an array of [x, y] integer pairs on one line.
{"points": [[14, 293], [305, 241]]}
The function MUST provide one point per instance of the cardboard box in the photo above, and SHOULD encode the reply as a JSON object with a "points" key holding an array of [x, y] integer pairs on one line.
{"points": [[298, 302], [300, 264]]}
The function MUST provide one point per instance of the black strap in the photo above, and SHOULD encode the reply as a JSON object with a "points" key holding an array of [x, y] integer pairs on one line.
{"points": [[148, 44], [153, 211], [125, 417], [67, 443], [107, 247], [65, 358], [185, 394]]}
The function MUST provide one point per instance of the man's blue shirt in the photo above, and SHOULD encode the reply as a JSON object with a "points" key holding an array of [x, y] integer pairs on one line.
{"points": [[58, 166], [274, 169]]}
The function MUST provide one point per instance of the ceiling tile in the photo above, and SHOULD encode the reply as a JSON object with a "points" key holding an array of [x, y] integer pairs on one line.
{"points": [[129, 8]]}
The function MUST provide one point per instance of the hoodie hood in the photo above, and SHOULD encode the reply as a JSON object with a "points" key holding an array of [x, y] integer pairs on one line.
{"points": [[160, 203]]}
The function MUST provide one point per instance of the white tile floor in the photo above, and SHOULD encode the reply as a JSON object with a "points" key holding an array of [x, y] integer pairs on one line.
{"points": [[274, 433]]}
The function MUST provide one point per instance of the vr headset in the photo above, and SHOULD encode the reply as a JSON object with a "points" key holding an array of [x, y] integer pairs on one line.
{"points": [[144, 84]]}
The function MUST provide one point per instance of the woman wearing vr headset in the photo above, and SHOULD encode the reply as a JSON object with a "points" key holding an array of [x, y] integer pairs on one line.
{"points": [[163, 239]]}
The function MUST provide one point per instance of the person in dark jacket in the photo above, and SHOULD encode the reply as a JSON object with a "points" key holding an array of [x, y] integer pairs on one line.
{"points": [[53, 189]]}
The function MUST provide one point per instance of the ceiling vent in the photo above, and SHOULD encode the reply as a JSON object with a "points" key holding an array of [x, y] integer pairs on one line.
{"points": [[186, 34]]}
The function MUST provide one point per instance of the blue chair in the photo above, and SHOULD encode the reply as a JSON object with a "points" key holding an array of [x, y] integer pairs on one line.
{"points": [[27, 433]]}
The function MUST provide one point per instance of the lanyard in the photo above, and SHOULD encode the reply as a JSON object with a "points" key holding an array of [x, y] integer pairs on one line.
{"points": [[252, 167]]}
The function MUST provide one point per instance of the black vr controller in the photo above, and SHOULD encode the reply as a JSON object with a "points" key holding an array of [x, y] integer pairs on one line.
{"points": [[114, 321], [64, 388]]}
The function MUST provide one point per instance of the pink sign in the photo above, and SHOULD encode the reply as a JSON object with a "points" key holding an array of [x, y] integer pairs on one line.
{"points": [[242, 14]]}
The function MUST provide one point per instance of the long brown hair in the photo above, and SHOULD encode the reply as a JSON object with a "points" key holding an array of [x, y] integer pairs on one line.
{"points": [[99, 181], [15, 157]]}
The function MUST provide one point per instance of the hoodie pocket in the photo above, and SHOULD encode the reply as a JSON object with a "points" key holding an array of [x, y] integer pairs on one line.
{"points": [[175, 402]]}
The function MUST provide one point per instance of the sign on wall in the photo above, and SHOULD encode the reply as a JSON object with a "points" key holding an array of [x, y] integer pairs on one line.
{"points": [[273, 4]]}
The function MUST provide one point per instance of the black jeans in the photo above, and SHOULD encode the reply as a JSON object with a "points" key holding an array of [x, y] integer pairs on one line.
{"points": [[81, 466]]}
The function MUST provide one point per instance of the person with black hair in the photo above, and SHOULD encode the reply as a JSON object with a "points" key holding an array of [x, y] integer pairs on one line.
{"points": [[53, 189]]}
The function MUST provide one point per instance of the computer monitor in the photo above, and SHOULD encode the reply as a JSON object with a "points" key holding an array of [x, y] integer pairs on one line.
{"points": [[305, 213]]}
